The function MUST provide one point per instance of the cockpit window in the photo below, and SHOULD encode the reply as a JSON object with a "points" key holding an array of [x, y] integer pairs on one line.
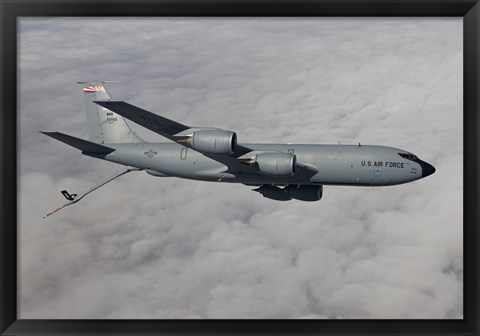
{"points": [[408, 156]]}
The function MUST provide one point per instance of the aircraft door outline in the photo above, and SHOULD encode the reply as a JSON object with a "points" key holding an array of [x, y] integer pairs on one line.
{"points": [[183, 153]]}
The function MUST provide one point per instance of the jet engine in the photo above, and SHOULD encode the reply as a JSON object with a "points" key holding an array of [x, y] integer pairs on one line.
{"points": [[213, 141], [307, 193], [276, 164]]}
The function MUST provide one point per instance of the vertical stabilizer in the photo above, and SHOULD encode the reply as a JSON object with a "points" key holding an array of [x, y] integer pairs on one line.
{"points": [[105, 126]]}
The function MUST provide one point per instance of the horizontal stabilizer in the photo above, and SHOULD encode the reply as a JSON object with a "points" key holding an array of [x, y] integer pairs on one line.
{"points": [[83, 145]]}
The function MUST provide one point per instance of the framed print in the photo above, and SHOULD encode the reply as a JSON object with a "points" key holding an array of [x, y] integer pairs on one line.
{"points": [[158, 254]]}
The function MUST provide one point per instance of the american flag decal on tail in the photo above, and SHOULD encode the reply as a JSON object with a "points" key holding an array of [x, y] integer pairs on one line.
{"points": [[93, 89]]}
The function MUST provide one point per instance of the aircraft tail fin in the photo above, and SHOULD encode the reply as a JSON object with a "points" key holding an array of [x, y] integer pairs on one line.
{"points": [[104, 125], [83, 145]]}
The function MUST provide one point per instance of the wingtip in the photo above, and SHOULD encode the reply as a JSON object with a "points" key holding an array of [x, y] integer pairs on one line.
{"points": [[48, 133], [107, 102]]}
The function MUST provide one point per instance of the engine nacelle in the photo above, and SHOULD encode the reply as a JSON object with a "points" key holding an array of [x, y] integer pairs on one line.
{"points": [[275, 193], [276, 164], [307, 193], [213, 141]]}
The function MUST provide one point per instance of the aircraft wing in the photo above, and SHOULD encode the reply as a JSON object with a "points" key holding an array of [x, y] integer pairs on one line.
{"points": [[169, 128], [83, 145], [158, 124]]}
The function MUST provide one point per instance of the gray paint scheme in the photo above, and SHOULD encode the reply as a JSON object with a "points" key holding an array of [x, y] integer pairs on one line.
{"points": [[104, 127], [315, 165], [330, 164]]}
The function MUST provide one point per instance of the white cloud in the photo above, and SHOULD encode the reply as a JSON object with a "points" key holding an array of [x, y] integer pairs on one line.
{"points": [[169, 248]]}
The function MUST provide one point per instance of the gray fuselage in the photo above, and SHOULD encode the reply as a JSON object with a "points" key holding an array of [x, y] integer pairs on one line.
{"points": [[353, 165]]}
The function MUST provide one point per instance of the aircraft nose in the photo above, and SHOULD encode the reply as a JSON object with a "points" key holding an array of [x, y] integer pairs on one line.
{"points": [[427, 169]]}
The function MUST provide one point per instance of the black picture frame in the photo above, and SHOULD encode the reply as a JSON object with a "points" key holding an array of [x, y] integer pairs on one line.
{"points": [[11, 10]]}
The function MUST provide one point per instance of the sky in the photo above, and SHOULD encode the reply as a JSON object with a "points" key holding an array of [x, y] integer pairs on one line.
{"points": [[145, 247]]}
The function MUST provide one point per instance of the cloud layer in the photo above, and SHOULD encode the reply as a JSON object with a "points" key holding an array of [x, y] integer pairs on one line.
{"points": [[145, 247]]}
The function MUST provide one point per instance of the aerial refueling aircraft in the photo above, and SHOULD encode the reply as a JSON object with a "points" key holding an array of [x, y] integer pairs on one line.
{"points": [[277, 171]]}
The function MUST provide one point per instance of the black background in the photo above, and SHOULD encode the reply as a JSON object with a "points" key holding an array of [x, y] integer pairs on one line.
{"points": [[11, 10]]}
